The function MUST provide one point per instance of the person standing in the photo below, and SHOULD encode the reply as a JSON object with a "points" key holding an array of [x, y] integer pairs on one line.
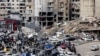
{"points": [[74, 49], [28, 53], [23, 54]]}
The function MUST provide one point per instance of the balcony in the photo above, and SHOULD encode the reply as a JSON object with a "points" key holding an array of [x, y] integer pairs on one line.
{"points": [[50, 14], [22, 4], [22, 0], [51, 0], [61, 4], [42, 13], [9, 7], [61, 9], [60, 14], [50, 4], [50, 9]]}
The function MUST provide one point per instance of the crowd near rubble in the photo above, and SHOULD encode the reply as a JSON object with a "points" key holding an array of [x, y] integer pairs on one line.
{"points": [[57, 43], [39, 44]]}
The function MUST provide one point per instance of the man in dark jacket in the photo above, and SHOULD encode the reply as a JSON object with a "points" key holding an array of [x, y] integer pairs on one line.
{"points": [[28, 53]]}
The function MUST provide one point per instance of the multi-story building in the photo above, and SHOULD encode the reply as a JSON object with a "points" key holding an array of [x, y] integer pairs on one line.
{"points": [[97, 8], [20, 10], [82, 8], [29, 11], [51, 11], [74, 9], [24, 7], [87, 8]]}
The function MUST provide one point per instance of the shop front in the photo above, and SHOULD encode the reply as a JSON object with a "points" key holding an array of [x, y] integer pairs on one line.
{"points": [[12, 25]]}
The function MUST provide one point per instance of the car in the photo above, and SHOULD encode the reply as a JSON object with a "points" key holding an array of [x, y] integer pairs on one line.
{"points": [[53, 39], [69, 54], [94, 47], [87, 39]]}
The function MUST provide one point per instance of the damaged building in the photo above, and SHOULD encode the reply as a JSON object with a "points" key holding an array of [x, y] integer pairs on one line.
{"points": [[52, 11]]}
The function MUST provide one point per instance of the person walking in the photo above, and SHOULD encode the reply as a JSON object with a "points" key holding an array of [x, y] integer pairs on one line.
{"points": [[74, 49], [28, 53], [23, 54]]}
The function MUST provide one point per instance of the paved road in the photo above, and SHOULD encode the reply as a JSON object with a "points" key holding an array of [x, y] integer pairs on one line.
{"points": [[84, 49]]}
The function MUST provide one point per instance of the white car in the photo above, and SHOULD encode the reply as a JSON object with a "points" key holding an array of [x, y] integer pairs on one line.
{"points": [[53, 39], [87, 39], [67, 54], [94, 47]]}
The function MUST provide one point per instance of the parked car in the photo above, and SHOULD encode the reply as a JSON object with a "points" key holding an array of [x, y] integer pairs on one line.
{"points": [[94, 47], [87, 39], [70, 54]]}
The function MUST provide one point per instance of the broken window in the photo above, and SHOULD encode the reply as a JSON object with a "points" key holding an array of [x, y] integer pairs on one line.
{"points": [[50, 18], [77, 10], [42, 18], [60, 19], [30, 19], [61, 4], [60, 13], [72, 9], [8, 0], [61, 9], [50, 3], [23, 24], [50, 13], [23, 18], [22, 4], [50, 8], [29, 0], [55, 15], [50, 23]]}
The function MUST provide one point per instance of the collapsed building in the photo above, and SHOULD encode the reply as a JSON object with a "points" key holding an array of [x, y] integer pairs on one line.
{"points": [[52, 11], [89, 24]]}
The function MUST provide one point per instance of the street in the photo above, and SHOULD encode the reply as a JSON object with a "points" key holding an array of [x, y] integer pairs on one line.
{"points": [[84, 49]]}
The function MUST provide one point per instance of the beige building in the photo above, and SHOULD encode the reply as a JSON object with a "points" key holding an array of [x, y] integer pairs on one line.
{"points": [[53, 11], [24, 7], [29, 10], [60, 10], [87, 8], [82, 8], [97, 8], [74, 9]]}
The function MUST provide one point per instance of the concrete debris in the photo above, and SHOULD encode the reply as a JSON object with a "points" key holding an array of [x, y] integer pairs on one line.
{"points": [[85, 24], [27, 30]]}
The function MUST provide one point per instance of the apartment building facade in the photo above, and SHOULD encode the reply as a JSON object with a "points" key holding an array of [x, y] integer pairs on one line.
{"points": [[52, 11], [74, 9], [24, 7], [17, 10], [83, 8], [97, 8], [87, 8]]}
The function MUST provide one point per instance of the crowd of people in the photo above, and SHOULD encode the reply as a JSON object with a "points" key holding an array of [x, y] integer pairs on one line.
{"points": [[21, 45]]}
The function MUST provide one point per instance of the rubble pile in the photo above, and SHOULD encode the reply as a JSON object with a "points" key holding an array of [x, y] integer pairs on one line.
{"points": [[83, 25]]}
